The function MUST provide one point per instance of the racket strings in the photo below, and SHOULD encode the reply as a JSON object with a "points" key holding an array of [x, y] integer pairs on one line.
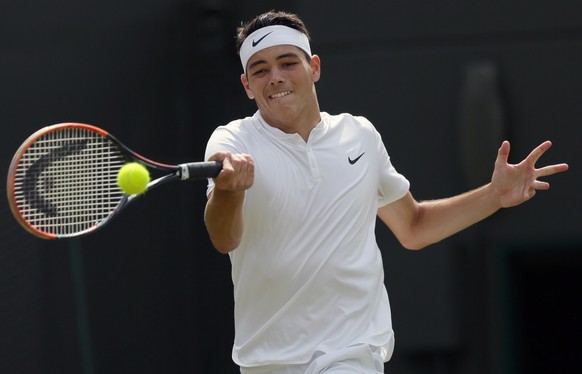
{"points": [[66, 181]]}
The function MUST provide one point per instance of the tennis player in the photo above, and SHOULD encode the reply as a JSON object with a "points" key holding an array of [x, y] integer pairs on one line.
{"points": [[295, 208]]}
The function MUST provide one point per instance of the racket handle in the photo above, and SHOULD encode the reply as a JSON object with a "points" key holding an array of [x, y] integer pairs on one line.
{"points": [[200, 170]]}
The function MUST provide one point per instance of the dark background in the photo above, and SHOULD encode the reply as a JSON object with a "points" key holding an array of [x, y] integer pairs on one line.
{"points": [[444, 82]]}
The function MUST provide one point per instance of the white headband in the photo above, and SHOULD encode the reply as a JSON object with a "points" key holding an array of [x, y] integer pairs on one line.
{"points": [[270, 36]]}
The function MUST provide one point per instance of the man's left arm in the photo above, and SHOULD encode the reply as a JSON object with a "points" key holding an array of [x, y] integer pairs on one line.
{"points": [[418, 224]]}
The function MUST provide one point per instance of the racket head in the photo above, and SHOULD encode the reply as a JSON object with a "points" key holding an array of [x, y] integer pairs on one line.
{"points": [[62, 181]]}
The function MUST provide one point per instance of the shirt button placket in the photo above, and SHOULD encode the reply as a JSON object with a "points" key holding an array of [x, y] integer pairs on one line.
{"points": [[312, 162]]}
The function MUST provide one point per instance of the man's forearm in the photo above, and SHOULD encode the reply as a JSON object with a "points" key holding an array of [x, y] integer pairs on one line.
{"points": [[224, 219], [440, 219]]}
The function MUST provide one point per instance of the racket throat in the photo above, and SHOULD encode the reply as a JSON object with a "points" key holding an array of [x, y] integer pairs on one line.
{"points": [[183, 172]]}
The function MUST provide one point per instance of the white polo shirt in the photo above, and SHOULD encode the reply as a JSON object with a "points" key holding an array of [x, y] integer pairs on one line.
{"points": [[308, 275]]}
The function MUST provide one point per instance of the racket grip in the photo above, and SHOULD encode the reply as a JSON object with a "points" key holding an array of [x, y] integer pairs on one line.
{"points": [[200, 170]]}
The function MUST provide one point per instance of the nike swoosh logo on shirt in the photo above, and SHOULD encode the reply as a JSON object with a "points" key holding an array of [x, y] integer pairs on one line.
{"points": [[355, 159], [258, 41]]}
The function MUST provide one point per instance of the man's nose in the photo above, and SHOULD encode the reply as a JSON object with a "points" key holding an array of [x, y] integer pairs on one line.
{"points": [[276, 76]]}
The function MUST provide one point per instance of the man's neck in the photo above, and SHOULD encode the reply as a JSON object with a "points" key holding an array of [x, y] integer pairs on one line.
{"points": [[301, 125]]}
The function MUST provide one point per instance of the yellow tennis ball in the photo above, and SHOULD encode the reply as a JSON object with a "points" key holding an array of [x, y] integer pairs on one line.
{"points": [[133, 178]]}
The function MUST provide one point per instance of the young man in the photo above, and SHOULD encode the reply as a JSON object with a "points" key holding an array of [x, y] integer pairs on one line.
{"points": [[295, 208]]}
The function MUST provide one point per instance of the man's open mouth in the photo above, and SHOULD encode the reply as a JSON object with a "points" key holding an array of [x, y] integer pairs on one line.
{"points": [[279, 94]]}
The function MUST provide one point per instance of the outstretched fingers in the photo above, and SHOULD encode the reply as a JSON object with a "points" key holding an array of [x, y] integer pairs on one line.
{"points": [[535, 155], [538, 151], [517, 183], [551, 169], [532, 159]]}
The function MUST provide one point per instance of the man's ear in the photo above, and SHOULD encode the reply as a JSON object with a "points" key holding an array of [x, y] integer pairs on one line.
{"points": [[315, 67], [245, 83]]}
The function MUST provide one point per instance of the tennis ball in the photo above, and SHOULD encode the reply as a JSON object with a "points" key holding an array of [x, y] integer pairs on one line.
{"points": [[133, 178]]}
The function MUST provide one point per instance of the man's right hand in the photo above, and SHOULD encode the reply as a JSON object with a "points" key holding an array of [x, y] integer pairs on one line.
{"points": [[238, 172]]}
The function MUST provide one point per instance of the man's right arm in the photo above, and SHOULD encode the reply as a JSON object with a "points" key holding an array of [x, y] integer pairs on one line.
{"points": [[224, 209]]}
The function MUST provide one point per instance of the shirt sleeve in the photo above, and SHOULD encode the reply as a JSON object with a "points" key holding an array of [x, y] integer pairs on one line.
{"points": [[223, 139], [392, 185]]}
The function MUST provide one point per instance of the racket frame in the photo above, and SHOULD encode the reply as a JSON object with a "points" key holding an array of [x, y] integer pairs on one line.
{"points": [[185, 171]]}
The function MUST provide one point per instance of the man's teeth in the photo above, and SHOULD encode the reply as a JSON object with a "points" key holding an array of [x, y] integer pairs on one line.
{"points": [[280, 94]]}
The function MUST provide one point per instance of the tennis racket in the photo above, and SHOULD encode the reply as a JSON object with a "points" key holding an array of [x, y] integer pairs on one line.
{"points": [[62, 181]]}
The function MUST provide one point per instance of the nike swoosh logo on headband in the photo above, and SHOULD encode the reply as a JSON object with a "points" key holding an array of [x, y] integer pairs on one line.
{"points": [[258, 41]]}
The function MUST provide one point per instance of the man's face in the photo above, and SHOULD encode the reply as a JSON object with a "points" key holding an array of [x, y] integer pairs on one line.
{"points": [[280, 80]]}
